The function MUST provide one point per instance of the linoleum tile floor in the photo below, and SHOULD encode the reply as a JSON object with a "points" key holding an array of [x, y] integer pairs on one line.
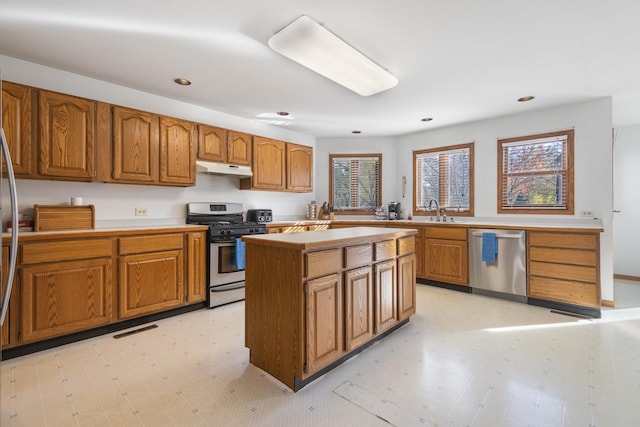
{"points": [[463, 360]]}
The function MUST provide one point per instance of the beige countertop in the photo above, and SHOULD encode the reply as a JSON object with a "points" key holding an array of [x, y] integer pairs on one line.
{"points": [[589, 224], [98, 232], [327, 238]]}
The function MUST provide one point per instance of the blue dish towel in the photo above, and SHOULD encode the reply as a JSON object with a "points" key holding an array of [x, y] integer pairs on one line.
{"points": [[489, 247], [239, 254]]}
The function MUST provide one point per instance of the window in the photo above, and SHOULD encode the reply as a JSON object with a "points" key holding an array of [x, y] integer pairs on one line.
{"points": [[536, 174], [354, 182], [445, 175]]}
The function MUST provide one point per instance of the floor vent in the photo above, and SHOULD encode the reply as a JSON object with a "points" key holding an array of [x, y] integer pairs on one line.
{"points": [[135, 331]]}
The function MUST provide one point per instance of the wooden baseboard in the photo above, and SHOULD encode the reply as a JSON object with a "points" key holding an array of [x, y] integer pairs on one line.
{"points": [[626, 277], [608, 303]]}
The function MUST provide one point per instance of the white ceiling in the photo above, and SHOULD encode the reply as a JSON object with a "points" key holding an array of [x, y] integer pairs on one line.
{"points": [[457, 60]]}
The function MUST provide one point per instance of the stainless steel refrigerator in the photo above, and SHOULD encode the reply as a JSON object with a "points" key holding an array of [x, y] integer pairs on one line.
{"points": [[6, 295]]}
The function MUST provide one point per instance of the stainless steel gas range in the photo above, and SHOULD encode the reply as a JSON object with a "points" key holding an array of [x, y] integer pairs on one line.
{"points": [[226, 250]]}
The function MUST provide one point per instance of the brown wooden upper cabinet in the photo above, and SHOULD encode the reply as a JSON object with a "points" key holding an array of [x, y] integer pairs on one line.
{"points": [[267, 165], [18, 122], [239, 148], [225, 146], [152, 149], [67, 136], [135, 145], [299, 167], [177, 151], [280, 166]]}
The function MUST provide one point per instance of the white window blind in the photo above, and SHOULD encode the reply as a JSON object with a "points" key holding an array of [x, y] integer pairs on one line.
{"points": [[355, 182], [445, 176], [535, 173]]}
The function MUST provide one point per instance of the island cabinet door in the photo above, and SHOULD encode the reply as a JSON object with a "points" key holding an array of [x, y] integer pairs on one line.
{"points": [[386, 294], [325, 325], [358, 307], [406, 286]]}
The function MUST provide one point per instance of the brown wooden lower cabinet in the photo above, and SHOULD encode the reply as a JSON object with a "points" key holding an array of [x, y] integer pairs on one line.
{"points": [[64, 297], [65, 286], [71, 284], [151, 274], [358, 286], [406, 288], [564, 267], [386, 295], [310, 303], [446, 254], [5, 326], [196, 267], [325, 323]]}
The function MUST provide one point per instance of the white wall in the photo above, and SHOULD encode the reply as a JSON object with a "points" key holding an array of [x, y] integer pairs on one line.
{"points": [[626, 192], [593, 173], [116, 202]]}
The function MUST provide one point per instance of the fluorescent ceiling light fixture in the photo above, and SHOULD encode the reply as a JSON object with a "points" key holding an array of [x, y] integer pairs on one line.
{"points": [[310, 44]]}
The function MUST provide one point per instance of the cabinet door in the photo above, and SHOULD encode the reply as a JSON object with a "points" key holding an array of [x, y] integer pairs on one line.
{"points": [[268, 164], [239, 148], [324, 322], [67, 136], [212, 144], [5, 326], [406, 286], [135, 145], [299, 168], [196, 267], [177, 152], [358, 307], [446, 261], [150, 282], [386, 303], [65, 297], [419, 257], [17, 121]]}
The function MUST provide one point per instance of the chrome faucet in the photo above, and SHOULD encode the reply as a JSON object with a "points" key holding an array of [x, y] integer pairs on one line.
{"points": [[437, 208]]}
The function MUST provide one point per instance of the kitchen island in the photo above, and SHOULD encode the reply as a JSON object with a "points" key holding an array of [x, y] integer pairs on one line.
{"points": [[313, 299]]}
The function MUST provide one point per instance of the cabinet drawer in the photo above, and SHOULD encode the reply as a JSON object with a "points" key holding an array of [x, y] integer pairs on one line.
{"points": [[385, 250], [563, 240], [406, 245], [356, 256], [142, 244], [563, 271], [565, 291], [66, 250], [322, 263], [446, 232], [564, 256]]}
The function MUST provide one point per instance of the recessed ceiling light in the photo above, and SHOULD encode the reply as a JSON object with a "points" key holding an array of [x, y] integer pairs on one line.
{"points": [[282, 113], [356, 131], [525, 98], [426, 119], [182, 82]]}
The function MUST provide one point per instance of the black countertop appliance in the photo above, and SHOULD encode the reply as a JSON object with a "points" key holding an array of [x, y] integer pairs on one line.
{"points": [[394, 210]]}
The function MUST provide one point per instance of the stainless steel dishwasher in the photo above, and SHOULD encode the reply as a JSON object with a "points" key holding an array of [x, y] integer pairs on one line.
{"points": [[506, 277]]}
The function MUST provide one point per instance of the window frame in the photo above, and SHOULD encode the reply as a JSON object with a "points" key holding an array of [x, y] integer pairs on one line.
{"points": [[569, 177], [450, 210], [354, 211]]}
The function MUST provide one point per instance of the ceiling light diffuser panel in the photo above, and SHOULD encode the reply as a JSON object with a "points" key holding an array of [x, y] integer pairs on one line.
{"points": [[310, 44]]}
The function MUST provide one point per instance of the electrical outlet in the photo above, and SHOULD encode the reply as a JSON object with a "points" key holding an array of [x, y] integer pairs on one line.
{"points": [[141, 211], [586, 213]]}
